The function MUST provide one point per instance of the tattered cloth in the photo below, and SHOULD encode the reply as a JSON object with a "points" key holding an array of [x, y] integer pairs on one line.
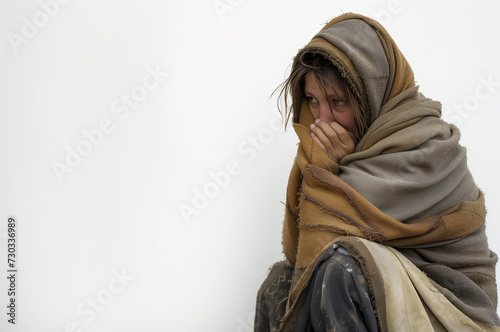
{"points": [[405, 298], [407, 185]]}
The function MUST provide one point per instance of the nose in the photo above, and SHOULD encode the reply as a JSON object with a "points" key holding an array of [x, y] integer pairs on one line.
{"points": [[325, 113]]}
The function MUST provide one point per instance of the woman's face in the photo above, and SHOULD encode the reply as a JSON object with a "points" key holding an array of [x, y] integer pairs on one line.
{"points": [[341, 112]]}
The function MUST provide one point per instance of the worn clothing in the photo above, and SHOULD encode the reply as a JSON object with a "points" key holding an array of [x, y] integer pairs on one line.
{"points": [[350, 309], [406, 186], [271, 298], [338, 299], [403, 297]]}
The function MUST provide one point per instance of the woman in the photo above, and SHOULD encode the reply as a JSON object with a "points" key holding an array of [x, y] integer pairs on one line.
{"points": [[384, 226]]}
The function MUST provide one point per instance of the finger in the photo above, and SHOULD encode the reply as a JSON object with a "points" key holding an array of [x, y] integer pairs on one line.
{"points": [[341, 138], [330, 132], [337, 135], [328, 143], [341, 134], [315, 138]]}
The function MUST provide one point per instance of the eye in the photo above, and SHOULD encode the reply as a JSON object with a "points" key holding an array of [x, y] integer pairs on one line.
{"points": [[312, 101], [338, 102]]}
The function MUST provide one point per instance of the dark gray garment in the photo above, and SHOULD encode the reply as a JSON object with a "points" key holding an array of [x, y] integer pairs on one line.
{"points": [[271, 298], [337, 300]]}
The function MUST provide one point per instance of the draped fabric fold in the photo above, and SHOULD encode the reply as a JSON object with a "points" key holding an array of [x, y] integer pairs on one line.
{"points": [[407, 185]]}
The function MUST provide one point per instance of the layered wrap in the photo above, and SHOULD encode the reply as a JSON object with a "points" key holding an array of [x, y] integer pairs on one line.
{"points": [[406, 187]]}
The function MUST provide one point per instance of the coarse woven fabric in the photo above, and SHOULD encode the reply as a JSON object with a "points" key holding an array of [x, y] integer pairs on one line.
{"points": [[405, 298], [407, 184]]}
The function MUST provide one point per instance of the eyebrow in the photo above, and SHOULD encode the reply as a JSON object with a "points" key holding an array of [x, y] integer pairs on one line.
{"points": [[329, 96]]}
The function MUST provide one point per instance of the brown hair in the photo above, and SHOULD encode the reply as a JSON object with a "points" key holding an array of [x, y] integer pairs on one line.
{"points": [[326, 74]]}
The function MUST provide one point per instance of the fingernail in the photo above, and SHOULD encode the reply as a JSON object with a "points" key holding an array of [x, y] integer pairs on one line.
{"points": [[312, 126], [316, 121], [312, 135]]}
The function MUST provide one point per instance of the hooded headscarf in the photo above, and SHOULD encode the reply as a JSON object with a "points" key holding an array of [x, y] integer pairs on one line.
{"points": [[406, 185]]}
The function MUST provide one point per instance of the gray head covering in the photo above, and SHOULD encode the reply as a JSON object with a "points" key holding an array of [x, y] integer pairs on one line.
{"points": [[361, 44]]}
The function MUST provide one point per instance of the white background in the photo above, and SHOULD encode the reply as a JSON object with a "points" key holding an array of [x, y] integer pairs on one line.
{"points": [[118, 210]]}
